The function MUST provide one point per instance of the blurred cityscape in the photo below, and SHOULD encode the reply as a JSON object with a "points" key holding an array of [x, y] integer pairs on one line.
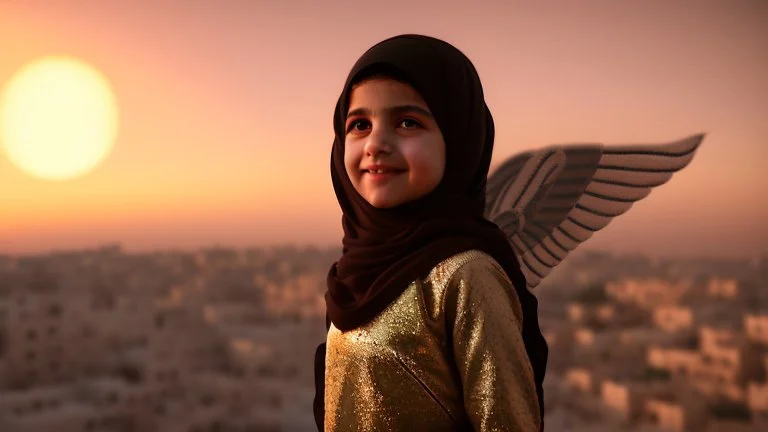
{"points": [[223, 340]]}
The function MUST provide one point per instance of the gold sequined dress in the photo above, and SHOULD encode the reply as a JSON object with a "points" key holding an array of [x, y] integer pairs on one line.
{"points": [[447, 355]]}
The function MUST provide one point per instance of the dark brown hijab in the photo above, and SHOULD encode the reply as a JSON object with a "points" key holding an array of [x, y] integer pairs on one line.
{"points": [[384, 250]]}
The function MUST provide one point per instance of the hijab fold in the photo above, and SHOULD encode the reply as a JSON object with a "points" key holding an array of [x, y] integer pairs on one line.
{"points": [[384, 250]]}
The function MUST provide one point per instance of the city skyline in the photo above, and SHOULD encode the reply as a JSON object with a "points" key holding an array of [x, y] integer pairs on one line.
{"points": [[225, 119], [224, 340]]}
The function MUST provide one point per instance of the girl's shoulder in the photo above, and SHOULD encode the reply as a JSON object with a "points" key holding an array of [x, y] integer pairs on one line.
{"points": [[463, 263], [461, 272]]}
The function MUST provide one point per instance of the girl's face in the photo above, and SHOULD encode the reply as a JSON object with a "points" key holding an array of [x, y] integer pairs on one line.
{"points": [[389, 127]]}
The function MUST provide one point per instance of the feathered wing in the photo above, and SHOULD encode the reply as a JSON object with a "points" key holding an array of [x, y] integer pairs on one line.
{"points": [[551, 200]]}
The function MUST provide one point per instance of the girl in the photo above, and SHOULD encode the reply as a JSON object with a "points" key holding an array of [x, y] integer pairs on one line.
{"points": [[430, 323]]}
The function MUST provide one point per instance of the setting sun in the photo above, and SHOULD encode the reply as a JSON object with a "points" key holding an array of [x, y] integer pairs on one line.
{"points": [[58, 118]]}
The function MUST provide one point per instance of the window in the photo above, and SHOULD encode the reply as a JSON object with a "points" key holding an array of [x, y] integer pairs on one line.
{"points": [[130, 373], [54, 310]]}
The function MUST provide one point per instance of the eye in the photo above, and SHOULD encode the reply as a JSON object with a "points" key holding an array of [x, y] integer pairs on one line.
{"points": [[410, 123], [357, 125]]}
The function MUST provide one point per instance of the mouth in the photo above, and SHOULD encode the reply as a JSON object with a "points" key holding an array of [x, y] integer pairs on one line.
{"points": [[383, 171], [382, 174]]}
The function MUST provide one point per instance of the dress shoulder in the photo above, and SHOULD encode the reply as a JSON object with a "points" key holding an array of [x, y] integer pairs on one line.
{"points": [[452, 270]]}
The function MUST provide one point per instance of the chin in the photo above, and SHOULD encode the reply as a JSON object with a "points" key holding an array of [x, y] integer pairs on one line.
{"points": [[384, 203]]}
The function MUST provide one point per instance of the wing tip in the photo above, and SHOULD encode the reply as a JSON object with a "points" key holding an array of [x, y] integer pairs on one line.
{"points": [[695, 140]]}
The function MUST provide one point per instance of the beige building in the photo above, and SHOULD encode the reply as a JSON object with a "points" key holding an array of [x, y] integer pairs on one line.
{"points": [[723, 288], [673, 318], [576, 312], [668, 416], [667, 408], [301, 296], [617, 397], [584, 336], [648, 293], [579, 379], [757, 397], [684, 362], [50, 338], [605, 313], [756, 328]]}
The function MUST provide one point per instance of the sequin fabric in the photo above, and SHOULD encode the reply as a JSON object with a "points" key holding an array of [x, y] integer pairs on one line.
{"points": [[447, 355]]}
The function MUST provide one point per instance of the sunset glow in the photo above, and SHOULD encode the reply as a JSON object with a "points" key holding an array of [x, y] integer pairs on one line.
{"points": [[225, 113], [58, 118]]}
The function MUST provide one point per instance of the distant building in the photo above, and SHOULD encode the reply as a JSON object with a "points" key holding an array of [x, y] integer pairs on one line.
{"points": [[757, 397], [684, 362], [617, 397], [666, 415], [584, 336], [756, 328], [648, 293], [50, 339], [575, 312], [673, 318], [723, 288], [605, 313], [579, 379]]}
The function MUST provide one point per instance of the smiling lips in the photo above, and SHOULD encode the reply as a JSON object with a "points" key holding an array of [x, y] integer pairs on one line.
{"points": [[382, 169], [382, 172]]}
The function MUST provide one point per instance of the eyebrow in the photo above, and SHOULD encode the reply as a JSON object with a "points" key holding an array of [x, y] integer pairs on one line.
{"points": [[400, 109]]}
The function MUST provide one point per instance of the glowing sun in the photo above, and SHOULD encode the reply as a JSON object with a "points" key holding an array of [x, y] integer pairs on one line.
{"points": [[58, 118]]}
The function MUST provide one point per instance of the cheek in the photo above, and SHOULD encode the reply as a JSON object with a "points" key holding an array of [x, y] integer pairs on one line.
{"points": [[428, 164], [350, 162], [433, 159]]}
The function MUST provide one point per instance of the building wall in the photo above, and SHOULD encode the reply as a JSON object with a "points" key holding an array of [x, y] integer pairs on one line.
{"points": [[756, 328], [757, 397], [616, 397], [723, 288], [579, 379], [673, 318], [668, 416]]}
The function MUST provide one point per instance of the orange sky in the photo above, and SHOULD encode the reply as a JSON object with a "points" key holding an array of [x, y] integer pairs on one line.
{"points": [[226, 112]]}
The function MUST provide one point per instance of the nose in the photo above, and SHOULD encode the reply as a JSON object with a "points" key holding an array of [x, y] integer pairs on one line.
{"points": [[379, 141]]}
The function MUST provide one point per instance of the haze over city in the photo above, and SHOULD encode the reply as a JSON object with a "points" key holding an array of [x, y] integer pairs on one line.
{"points": [[225, 112]]}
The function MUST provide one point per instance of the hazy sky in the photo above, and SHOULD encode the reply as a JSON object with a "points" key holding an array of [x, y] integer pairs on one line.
{"points": [[226, 109]]}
